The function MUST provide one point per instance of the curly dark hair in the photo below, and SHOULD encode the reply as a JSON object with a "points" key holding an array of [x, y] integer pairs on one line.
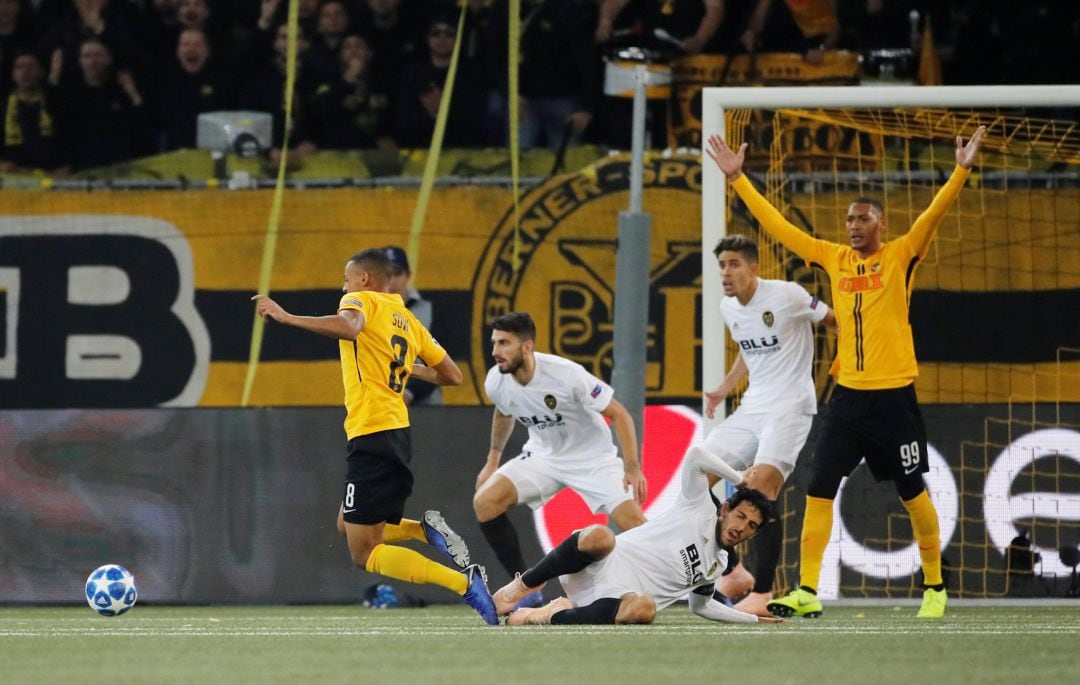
{"points": [[757, 500]]}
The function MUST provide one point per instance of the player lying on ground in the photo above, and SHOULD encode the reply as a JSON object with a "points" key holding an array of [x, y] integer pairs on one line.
{"points": [[771, 322], [629, 577]]}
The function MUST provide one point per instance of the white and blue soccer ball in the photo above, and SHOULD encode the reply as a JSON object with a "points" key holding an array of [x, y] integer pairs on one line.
{"points": [[110, 590]]}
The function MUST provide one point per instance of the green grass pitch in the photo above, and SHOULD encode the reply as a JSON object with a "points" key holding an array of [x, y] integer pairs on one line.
{"points": [[449, 645]]}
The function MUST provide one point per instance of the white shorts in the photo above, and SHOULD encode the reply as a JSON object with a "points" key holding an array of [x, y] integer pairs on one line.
{"points": [[773, 438], [595, 581], [599, 481]]}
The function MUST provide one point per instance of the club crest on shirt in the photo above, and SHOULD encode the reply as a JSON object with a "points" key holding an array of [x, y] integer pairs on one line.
{"points": [[768, 318], [875, 267], [549, 400]]}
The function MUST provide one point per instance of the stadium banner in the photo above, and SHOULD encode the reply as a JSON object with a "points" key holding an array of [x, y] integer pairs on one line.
{"points": [[239, 505], [142, 298], [692, 73]]}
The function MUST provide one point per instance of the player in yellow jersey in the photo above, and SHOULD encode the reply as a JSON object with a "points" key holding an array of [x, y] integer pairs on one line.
{"points": [[873, 412], [379, 341]]}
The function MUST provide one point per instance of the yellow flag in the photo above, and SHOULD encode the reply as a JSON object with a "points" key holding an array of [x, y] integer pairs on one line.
{"points": [[929, 64]]}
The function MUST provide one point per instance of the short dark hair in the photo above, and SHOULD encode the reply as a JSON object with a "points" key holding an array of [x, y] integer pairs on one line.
{"points": [[375, 262], [28, 52], [757, 500], [97, 40], [738, 243], [518, 323], [876, 204]]}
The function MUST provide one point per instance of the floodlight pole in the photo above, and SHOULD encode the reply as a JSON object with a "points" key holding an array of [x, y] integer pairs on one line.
{"points": [[632, 276]]}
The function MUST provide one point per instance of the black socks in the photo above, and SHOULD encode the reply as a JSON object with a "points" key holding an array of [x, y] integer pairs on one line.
{"points": [[765, 553], [503, 539], [566, 558], [601, 612]]}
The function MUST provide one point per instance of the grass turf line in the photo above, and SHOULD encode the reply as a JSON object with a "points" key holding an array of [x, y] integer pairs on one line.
{"points": [[208, 645]]}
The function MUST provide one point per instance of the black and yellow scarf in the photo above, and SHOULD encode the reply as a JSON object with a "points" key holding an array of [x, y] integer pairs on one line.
{"points": [[13, 133]]}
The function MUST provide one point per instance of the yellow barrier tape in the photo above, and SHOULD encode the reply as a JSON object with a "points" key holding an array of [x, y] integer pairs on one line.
{"points": [[514, 42], [420, 211], [272, 224]]}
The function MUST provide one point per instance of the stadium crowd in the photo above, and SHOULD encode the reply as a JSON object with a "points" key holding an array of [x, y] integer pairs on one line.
{"points": [[88, 83]]}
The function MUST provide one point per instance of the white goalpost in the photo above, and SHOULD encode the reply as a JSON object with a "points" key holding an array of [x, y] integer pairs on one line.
{"points": [[1012, 234], [715, 101]]}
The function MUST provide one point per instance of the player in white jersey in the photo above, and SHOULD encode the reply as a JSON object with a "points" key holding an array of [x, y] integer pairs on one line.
{"points": [[771, 323], [569, 445], [630, 577]]}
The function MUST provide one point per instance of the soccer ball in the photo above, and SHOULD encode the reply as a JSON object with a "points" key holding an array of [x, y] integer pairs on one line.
{"points": [[110, 590]]}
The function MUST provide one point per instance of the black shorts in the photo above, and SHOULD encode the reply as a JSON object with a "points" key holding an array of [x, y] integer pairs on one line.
{"points": [[883, 426], [378, 479]]}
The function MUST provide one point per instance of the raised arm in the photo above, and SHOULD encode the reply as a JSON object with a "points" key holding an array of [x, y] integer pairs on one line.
{"points": [[771, 219], [925, 227], [609, 10], [345, 325], [698, 465], [710, 23]]}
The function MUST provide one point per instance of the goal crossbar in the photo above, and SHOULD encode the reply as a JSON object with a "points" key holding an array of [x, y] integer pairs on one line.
{"points": [[716, 100]]}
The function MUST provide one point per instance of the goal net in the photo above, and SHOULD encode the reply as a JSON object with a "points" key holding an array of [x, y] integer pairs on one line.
{"points": [[995, 313]]}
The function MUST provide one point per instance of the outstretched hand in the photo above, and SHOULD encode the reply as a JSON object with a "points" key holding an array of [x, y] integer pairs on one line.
{"points": [[268, 309], [965, 154], [729, 162]]}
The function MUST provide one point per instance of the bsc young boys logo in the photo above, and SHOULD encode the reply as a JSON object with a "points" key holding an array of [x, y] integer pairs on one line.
{"points": [[566, 271]]}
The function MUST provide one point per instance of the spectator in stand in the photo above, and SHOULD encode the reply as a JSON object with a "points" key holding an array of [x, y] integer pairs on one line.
{"points": [[111, 21], [683, 25], [324, 54], [395, 32], [159, 26], [422, 88], [417, 392], [199, 14], [190, 85], [308, 16], [809, 27], [264, 87], [673, 26], [16, 36], [348, 113], [30, 115], [104, 116], [558, 70]]}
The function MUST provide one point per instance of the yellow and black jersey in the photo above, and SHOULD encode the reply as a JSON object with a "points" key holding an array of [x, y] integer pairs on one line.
{"points": [[814, 17], [871, 296], [376, 365]]}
